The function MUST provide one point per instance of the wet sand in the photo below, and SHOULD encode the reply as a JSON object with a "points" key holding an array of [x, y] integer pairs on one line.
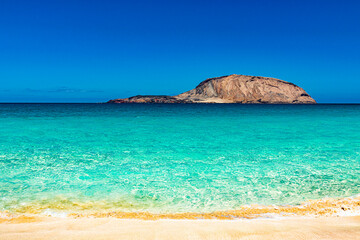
{"points": [[113, 228]]}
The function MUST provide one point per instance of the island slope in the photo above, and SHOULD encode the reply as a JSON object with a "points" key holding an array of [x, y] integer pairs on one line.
{"points": [[233, 89]]}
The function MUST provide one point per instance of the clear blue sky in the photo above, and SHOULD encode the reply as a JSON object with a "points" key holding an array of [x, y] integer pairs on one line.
{"points": [[92, 51]]}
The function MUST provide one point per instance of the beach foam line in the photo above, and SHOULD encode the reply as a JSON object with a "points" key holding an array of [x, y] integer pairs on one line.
{"points": [[324, 207], [349, 206]]}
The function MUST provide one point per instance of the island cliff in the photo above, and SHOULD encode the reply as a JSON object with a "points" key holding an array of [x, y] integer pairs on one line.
{"points": [[233, 89]]}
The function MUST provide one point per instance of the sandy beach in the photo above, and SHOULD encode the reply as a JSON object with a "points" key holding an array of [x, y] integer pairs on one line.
{"points": [[113, 228]]}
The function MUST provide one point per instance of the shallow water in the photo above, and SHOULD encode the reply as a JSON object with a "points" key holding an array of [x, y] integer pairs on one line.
{"points": [[175, 158]]}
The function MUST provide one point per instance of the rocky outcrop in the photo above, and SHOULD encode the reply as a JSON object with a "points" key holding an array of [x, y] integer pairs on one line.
{"points": [[247, 89], [150, 99], [234, 89]]}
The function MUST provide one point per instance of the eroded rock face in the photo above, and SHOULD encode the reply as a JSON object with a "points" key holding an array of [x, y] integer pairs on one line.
{"points": [[246, 89], [233, 89]]}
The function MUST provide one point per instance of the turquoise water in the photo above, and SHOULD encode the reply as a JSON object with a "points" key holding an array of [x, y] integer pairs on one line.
{"points": [[175, 158]]}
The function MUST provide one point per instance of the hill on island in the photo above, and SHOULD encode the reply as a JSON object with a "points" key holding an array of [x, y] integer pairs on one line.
{"points": [[233, 89]]}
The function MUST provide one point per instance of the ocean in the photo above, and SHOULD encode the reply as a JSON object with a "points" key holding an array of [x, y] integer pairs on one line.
{"points": [[174, 158]]}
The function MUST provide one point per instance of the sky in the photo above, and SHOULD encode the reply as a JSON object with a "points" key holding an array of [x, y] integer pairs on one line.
{"points": [[93, 51]]}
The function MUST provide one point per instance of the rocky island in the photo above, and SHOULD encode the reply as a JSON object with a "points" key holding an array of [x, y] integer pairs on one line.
{"points": [[233, 89]]}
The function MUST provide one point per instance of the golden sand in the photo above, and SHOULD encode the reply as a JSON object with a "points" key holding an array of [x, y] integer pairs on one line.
{"points": [[324, 228]]}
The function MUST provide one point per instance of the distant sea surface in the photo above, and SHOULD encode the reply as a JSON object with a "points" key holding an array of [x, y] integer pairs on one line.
{"points": [[170, 158]]}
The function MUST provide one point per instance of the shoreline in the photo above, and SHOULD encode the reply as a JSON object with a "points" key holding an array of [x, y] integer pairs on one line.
{"points": [[327, 207], [317, 219], [113, 228]]}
